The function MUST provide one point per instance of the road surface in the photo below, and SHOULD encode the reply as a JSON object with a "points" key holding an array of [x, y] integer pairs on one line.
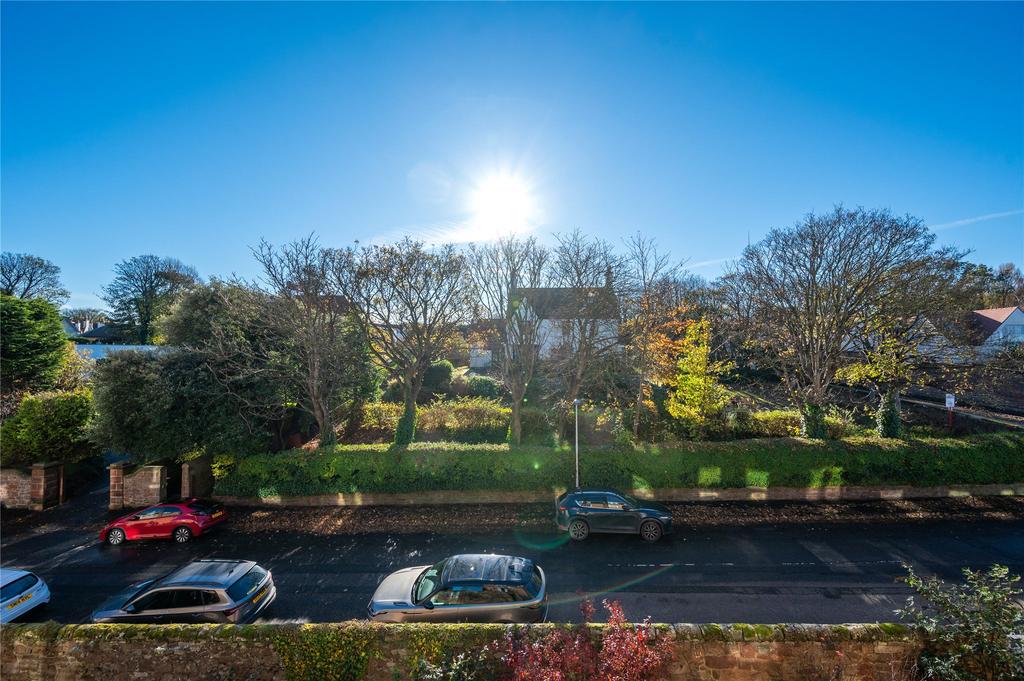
{"points": [[817, 572]]}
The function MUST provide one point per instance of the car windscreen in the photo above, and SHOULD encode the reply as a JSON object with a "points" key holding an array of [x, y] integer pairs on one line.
{"points": [[18, 587], [428, 581], [247, 583], [205, 507]]}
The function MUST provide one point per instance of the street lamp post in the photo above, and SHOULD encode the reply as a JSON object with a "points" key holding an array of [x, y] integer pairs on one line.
{"points": [[576, 407]]}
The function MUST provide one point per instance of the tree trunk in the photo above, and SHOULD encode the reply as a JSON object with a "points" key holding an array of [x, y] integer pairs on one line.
{"points": [[812, 421], [406, 430], [636, 410], [516, 427], [325, 425], [887, 419]]}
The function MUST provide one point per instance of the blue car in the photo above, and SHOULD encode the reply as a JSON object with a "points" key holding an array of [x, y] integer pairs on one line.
{"points": [[582, 511]]}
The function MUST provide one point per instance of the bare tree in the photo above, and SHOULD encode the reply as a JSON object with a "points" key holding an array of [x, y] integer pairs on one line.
{"points": [[498, 272], [29, 276], [897, 340], [410, 302], [326, 358], [588, 333], [142, 290], [810, 286], [653, 316]]}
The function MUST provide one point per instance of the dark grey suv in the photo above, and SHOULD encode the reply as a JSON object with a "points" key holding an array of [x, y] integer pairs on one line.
{"points": [[583, 511], [204, 591], [471, 587]]}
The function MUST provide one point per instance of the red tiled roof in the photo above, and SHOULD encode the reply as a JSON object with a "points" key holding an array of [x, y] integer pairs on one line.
{"points": [[991, 319]]}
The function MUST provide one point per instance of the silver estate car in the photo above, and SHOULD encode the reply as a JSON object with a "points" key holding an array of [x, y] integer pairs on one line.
{"points": [[464, 588], [203, 591]]}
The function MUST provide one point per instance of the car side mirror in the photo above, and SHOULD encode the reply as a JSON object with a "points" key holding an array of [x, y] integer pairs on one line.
{"points": [[134, 517], [130, 608], [427, 604]]}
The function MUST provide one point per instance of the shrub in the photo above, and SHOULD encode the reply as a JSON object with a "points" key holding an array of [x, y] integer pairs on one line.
{"points": [[537, 426], [483, 386], [48, 426], [472, 420], [382, 418], [975, 629], [624, 651], [438, 377], [741, 423], [788, 423]]}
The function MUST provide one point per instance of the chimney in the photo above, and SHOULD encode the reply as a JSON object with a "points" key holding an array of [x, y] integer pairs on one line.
{"points": [[608, 277]]}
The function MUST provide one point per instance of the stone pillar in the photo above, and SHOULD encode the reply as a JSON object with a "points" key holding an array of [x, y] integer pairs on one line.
{"points": [[116, 486], [47, 485], [196, 478], [186, 482]]}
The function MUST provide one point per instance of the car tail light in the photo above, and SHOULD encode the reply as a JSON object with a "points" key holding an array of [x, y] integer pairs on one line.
{"points": [[563, 508]]}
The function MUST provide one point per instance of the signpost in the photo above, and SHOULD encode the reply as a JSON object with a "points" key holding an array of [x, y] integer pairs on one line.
{"points": [[950, 405], [576, 405]]}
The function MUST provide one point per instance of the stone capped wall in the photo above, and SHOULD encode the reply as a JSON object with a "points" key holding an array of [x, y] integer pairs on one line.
{"points": [[702, 653]]}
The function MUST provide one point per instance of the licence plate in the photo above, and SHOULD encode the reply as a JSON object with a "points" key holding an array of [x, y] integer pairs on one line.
{"points": [[19, 601], [217, 514], [259, 597]]}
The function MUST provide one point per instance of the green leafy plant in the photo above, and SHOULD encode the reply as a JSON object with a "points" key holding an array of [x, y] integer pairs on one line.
{"points": [[32, 344], [49, 426], [698, 395], [483, 386], [976, 629]]}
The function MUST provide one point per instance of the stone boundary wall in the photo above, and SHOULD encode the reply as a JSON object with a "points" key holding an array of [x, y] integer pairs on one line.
{"points": [[383, 652], [15, 488], [41, 488], [440, 497], [136, 487]]}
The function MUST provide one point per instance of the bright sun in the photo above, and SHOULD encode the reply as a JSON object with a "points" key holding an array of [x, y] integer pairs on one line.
{"points": [[502, 204]]}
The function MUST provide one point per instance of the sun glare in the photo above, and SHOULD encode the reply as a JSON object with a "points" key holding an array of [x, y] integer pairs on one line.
{"points": [[502, 204]]}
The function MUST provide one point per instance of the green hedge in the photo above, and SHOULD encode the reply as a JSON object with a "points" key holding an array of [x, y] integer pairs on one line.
{"points": [[48, 426], [785, 462], [471, 420]]}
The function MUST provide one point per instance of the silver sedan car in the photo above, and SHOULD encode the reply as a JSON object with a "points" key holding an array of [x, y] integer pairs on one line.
{"points": [[465, 588]]}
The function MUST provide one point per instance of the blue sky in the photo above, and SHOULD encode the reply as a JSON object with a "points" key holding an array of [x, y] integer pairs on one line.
{"points": [[193, 130]]}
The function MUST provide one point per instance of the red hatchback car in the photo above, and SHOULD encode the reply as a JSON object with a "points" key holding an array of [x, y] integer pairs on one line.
{"points": [[180, 521]]}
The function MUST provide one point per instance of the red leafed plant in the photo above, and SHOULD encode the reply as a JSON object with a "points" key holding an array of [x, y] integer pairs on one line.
{"points": [[631, 652], [625, 652]]}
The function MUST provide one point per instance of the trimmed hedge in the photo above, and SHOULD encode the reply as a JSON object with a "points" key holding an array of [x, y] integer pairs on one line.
{"points": [[471, 420], [783, 462]]}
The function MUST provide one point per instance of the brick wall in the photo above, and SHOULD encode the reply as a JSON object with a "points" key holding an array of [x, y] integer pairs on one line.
{"points": [[15, 488], [703, 653]]}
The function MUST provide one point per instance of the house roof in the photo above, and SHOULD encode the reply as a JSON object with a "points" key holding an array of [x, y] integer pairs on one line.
{"points": [[570, 303], [102, 333], [987, 321]]}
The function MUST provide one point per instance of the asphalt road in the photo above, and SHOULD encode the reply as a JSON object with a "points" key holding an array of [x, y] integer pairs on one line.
{"points": [[781, 572]]}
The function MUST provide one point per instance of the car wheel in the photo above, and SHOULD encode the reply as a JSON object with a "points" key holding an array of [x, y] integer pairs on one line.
{"points": [[115, 537], [650, 530], [579, 530], [182, 535]]}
